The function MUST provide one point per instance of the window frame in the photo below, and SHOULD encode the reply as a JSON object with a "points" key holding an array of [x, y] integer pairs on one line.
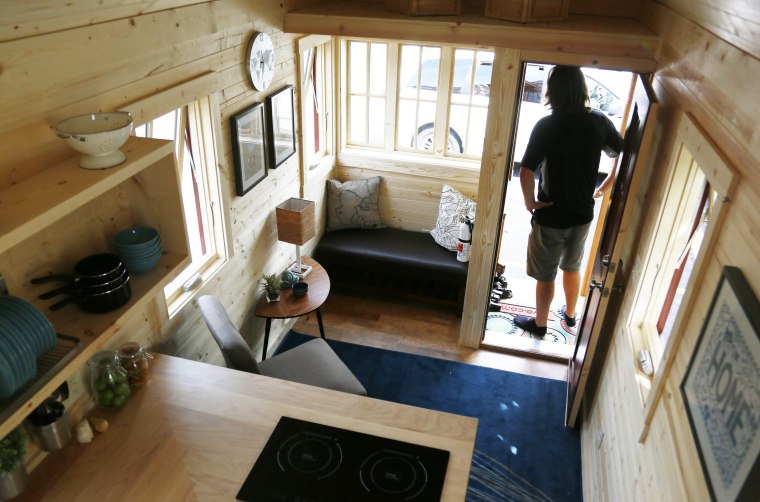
{"points": [[399, 157], [314, 164], [201, 91], [202, 114], [641, 330]]}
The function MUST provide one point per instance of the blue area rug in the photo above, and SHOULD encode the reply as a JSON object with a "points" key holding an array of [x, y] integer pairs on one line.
{"points": [[523, 451]]}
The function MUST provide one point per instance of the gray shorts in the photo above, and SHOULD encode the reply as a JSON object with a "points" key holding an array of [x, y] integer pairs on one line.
{"points": [[552, 248]]}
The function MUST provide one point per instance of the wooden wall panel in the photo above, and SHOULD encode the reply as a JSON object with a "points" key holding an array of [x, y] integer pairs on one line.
{"points": [[409, 200], [61, 59], [738, 24], [698, 69], [612, 8]]}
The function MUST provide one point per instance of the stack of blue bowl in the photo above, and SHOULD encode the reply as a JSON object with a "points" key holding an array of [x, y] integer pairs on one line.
{"points": [[139, 248], [25, 334]]}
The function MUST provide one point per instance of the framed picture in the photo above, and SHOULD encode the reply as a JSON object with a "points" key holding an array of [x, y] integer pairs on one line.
{"points": [[721, 391], [281, 129], [249, 147]]}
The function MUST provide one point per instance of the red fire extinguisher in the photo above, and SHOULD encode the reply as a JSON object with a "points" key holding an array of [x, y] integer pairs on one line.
{"points": [[465, 240]]}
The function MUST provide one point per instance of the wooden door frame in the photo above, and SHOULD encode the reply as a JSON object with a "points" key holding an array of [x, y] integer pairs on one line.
{"points": [[495, 167], [643, 95]]}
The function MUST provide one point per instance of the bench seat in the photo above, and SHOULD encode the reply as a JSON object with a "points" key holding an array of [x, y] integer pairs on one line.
{"points": [[403, 260]]}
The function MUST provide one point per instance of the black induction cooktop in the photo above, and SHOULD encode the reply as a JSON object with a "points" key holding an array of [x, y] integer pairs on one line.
{"points": [[309, 462]]}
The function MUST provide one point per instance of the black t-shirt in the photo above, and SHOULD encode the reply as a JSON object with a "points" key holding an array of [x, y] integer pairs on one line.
{"points": [[568, 147]]}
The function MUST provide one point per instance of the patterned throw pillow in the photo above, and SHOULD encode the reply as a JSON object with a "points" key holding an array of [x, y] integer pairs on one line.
{"points": [[353, 204], [453, 207]]}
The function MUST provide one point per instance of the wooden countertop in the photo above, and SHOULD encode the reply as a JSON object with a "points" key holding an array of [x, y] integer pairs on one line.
{"points": [[195, 430]]}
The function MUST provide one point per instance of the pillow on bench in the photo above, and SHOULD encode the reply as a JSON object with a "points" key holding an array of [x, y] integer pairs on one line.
{"points": [[353, 204]]}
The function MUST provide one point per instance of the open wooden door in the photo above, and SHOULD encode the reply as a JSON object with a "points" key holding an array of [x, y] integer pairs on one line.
{"points": [[637, 139]]}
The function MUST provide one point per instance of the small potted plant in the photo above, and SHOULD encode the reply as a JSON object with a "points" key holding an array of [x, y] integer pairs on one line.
{"points": [[12, 467], [272, 285]]}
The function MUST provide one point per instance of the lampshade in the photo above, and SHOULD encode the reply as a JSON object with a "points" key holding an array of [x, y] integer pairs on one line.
{"points": [[296, 223]]}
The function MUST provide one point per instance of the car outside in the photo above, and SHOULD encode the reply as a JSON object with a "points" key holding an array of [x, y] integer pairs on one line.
{"points": [[600, 84]]}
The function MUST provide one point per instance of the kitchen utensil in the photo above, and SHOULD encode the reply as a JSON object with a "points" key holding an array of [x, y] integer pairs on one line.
{"points": [[48, 424], [92, 270], [23, 317], [137, 237], [98, 137], [98, 303], [82, 289]]}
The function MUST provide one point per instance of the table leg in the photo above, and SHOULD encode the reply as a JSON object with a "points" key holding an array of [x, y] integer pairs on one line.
{"points": [[319, 320], [266, 338]]}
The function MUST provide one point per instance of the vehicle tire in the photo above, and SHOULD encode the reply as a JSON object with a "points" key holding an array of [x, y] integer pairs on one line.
{"points": [[425, 139]]}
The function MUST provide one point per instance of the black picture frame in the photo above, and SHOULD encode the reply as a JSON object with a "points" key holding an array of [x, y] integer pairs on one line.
{"points": [[721, 391], [249, 147], [281, 126]]}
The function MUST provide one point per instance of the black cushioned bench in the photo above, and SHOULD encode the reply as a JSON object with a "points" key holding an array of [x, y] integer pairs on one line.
{"points": [[395, 260]]}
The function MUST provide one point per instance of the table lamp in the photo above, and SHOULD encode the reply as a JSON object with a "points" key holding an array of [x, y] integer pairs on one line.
{"points": [[296, 224]]}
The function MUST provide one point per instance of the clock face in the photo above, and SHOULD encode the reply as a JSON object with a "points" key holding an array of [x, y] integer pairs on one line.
{"points": [[260, 61]]}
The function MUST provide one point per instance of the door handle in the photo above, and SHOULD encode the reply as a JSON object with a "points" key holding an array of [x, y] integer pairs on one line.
{"points": [[595, 284]]}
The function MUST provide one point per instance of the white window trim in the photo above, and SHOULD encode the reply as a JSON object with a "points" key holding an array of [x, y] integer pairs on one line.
{"points": [[201, 87], [179, 292], [324, 161], [399, 156], [723, 181]]}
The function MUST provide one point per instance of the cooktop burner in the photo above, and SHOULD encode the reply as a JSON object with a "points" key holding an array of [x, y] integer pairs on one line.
{"points": [[309, 462]]}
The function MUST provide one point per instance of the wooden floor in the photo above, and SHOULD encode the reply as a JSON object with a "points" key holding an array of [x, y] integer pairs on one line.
{"points": [[413, 327]]}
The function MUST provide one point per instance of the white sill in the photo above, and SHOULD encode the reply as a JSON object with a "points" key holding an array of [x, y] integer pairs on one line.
{"points": [[644, 337], [391, 161], [325, 164], [185, 296]]}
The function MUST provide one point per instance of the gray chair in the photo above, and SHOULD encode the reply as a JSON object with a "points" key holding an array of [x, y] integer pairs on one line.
{"points": [[311, 363]]}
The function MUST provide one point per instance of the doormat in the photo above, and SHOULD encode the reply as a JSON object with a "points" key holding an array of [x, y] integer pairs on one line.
{"points": [[557, 330]]}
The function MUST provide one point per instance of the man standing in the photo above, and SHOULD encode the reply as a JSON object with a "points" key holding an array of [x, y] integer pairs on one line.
{"points": [[566, 146]]}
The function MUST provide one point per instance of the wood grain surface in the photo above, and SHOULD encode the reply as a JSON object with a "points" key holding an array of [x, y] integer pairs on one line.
{"points": [[195, 430]]}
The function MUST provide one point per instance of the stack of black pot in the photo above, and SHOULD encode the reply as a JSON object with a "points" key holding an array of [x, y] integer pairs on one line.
{"points": [[100, 283]]}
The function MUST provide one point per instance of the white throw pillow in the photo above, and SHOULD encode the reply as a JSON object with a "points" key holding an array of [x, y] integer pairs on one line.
{"points": [[453, 207], [353, 204]]}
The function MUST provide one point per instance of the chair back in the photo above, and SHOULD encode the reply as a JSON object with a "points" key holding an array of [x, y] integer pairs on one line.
{"points": [[237, 354]]}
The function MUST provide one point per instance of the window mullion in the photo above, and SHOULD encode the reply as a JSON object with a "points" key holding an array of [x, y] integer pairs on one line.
{"points": [[443, 100], [391, 95]]}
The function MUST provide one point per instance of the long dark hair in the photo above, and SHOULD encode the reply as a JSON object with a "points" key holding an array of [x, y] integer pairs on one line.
{"points": [[566, 89]]}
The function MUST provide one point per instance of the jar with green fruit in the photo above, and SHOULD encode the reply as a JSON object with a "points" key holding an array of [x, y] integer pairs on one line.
{"points": [[108, 380]]}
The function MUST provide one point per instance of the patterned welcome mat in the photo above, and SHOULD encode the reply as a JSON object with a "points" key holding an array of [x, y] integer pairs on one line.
{"points": [[504, 322]]}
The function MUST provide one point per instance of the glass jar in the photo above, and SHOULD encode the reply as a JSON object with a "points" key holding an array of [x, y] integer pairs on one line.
{"points": [[108, 380], [134, 359]]}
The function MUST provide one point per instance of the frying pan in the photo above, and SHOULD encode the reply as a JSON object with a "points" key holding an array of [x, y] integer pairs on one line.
{"points": [[86, 290], [98, 303], [93, 270]]}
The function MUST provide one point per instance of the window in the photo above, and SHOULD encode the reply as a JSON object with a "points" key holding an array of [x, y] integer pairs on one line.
{"points": [[416, 99], [316, 102], [191, 128], [367, 93], [698, 183]]}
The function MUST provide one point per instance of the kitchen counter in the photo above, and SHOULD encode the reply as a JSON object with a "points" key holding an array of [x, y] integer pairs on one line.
{"points": [[195, 430]]}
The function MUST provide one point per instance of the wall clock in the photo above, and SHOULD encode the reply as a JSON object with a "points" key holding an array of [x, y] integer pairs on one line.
{"points": [[260, 61]]}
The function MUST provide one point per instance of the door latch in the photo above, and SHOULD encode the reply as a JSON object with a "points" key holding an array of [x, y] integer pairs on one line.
{"points": [[595, 284]]}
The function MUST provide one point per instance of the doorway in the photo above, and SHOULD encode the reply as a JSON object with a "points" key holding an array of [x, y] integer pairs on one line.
{"points": [[610, 92]]}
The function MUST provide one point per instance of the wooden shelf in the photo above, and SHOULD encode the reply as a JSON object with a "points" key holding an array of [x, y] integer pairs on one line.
{"points": [[39, 201], [90, 205], [93, 331]]}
